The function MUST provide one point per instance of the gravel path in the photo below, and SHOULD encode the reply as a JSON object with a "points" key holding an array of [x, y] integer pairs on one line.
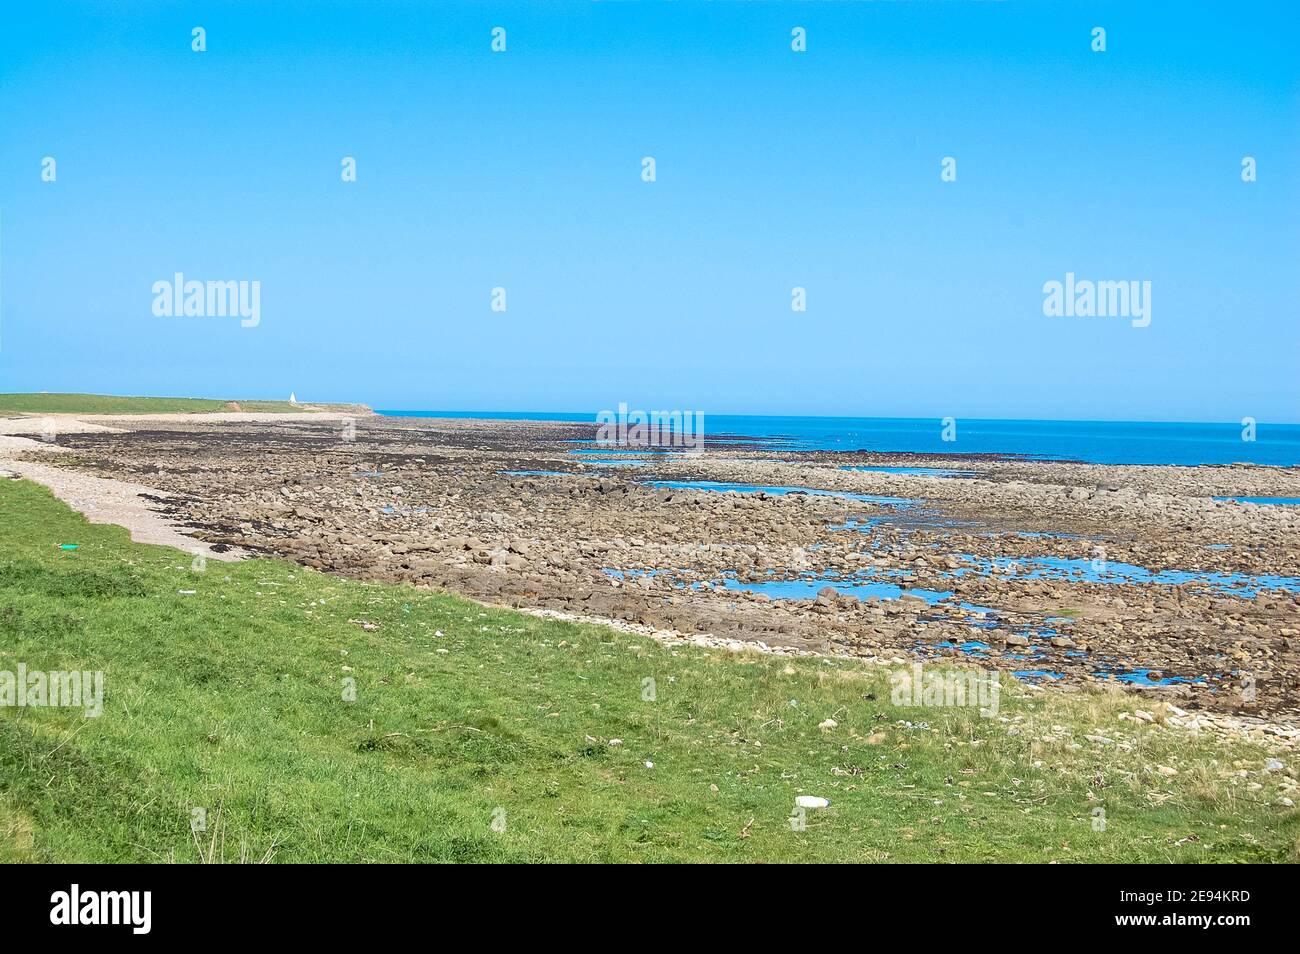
{"points": [[101, 499], [106, 500]]}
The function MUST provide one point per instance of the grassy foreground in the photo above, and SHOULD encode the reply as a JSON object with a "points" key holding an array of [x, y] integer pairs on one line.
{"points": [[231, 700], [112, 404]]}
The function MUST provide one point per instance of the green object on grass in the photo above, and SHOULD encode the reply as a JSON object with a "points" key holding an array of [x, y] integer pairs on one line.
{"points": [[68, 546], [235, 702]]}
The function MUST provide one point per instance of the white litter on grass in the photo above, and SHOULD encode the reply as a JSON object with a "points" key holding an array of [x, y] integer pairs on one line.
{"points": [[649, 764], [187, 592], [810, 801]]}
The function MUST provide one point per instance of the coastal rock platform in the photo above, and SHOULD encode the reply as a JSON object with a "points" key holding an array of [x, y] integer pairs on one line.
{"points": [[1061, 573]]}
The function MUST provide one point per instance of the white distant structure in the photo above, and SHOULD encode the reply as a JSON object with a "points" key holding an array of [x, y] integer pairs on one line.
{"points": [[292, 398]]}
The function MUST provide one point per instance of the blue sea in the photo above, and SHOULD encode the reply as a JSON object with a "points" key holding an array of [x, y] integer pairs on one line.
{"points": [[1097, 442]]}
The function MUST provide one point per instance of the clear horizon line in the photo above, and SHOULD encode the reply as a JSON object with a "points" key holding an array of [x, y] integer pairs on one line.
{"points": [[747, 414], [838, 417]]}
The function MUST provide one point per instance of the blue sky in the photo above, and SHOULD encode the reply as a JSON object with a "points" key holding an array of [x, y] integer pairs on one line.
{"points": [[774, 169]]}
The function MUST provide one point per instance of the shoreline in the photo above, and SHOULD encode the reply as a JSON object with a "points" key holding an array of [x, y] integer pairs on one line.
{"points": [[424, 500], [1115, 443]]}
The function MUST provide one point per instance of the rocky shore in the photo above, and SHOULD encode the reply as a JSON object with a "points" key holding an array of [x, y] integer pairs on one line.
{"points": [[1062, 573]]}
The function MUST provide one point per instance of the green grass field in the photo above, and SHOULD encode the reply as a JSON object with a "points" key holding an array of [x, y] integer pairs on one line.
{"points": [[111, 404], [232, 700]]}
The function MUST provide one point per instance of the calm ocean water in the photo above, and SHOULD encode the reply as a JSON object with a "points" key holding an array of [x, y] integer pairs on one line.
{"points": [[1099, 442]]}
